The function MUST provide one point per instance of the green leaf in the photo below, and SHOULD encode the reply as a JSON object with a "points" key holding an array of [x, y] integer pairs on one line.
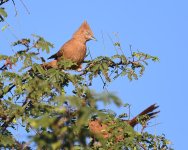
{"points": [[3, 57], [7, 140], [41, 43], [4, 27], [117, 44], [3, 12], [155, 59], [40, 69]]}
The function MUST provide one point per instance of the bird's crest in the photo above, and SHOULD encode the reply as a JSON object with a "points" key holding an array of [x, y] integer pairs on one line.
{"points": [[84, 27]]}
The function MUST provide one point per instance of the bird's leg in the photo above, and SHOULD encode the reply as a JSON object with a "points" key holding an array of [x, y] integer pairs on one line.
{"points": [[79, 68]]}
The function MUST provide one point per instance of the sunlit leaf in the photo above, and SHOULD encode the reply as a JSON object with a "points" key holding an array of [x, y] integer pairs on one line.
{"points": [[3, 12]]}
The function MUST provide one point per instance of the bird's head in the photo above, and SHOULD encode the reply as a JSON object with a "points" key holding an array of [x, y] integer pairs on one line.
{"points": [[85, 32]]}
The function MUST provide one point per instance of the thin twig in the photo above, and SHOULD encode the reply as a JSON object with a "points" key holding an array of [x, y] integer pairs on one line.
{"points": [[113, 44], [142, 146], [2, 2], [104, 47], [9, 120], [116, 35], [130, 48], [11, 30], [15, 7], [104, 83], [25, 6]]}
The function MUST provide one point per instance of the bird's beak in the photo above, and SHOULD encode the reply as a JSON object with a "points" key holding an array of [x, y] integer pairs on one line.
{"points": [[93, 38]]}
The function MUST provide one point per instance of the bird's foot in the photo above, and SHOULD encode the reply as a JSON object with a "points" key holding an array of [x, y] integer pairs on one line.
{"points": [[79, 69]]}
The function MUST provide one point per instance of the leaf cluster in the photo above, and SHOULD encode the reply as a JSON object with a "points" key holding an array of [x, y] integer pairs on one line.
{"points": [[36, 99]]}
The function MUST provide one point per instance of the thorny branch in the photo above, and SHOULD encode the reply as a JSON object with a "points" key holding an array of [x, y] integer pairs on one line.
{"points": [[3, 1], [9, 120], [112, 64]]}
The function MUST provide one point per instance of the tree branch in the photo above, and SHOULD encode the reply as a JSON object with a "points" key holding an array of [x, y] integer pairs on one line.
{"points": [[9, 120], [3, 1]]}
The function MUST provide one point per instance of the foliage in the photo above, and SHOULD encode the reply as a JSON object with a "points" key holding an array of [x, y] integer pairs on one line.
{"points": [[36, 99]]}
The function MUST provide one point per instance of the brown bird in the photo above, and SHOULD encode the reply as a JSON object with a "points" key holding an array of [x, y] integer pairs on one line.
{"points": [[100, 128], [74, 49]]}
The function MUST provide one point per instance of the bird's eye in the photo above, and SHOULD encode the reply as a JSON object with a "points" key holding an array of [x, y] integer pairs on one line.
{"points": [[87, 33]]}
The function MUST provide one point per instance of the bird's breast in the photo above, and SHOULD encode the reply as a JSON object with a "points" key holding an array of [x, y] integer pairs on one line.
{"points": [[80, 54], [74, 51]]}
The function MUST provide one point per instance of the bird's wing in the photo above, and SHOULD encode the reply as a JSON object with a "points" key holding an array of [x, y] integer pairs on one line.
{"points": [[67, 50], [61, 51], [58, 54]]}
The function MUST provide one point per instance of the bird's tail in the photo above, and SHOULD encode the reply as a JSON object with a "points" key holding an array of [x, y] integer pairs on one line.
{"points": [[51, 64], [46, 65], [148, 114], [53, 56]]}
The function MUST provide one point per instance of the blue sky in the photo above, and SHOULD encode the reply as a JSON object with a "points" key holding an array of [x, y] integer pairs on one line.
{"points": [[156, 27]]}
